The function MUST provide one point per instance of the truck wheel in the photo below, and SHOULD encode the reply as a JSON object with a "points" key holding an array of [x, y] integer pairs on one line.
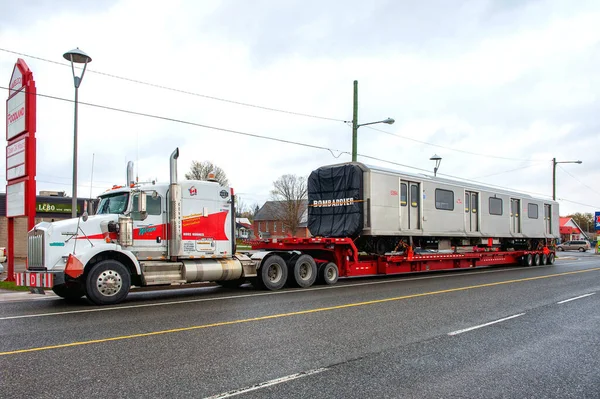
{"points": [[108, 283], [550, 260], [329, 273], [273, 273], [544, 260], [231, 283], [69, 292], [536, 259], [304, 272], [528, 260]]}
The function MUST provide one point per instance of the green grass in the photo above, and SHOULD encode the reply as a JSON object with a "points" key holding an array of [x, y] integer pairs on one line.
{"points": [[10, 285]]}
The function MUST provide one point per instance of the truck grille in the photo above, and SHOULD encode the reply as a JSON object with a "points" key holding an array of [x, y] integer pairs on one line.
{"points": [[35, 250]]}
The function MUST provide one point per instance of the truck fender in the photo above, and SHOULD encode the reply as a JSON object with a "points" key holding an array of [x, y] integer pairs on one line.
{"points": [[97, 249]]}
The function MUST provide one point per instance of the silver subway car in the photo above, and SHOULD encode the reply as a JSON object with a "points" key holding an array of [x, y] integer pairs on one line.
{"points": [[386, 211]]}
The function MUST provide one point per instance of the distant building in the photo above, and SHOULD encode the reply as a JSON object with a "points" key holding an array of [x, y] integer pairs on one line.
{"points": [[244, 229], [48, 209], [268, 225], [570, 230]]}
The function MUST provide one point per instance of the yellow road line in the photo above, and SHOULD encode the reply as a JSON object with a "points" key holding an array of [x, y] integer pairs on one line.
{"points": [[281, 315]]}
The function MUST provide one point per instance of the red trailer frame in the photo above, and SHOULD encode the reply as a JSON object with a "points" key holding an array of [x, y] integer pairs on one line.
{"points": [[343, 252]]}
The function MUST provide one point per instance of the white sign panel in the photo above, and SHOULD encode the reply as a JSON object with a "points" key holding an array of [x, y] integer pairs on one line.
{"points": [[16, 80], [16, 115], [15, 160], [15, 199]]}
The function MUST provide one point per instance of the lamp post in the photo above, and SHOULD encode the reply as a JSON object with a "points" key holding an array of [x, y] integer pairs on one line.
{"points": [[554, 162], [355, 124], [438, 161], [76, 57]]}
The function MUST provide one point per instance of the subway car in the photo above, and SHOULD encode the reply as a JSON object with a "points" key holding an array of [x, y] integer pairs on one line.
{"points": [[386, 211]]}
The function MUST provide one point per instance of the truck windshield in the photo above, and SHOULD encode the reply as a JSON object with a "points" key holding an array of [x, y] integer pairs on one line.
{"points": [[114, 203]]}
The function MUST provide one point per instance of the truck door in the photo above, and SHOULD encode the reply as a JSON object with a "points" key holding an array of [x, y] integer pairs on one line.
{"points": [[548, 218], [149, 234], [471, 211], [410, 205], [515, 215]]}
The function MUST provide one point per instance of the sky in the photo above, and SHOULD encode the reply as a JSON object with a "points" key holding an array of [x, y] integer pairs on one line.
{"points": [[497, 88]]}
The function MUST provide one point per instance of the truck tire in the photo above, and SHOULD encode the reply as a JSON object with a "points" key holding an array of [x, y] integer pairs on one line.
{"points": [[527, 260], [273, 273], [303, 273], [108, 282], [551, 258], [544, 260], [69, 292], [536, 259], [328, 273]]}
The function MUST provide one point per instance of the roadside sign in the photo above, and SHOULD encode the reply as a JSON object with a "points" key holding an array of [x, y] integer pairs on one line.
{"points": [[597, 221]]}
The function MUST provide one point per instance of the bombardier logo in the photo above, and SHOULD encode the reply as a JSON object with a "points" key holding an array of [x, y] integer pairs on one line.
{"points": [[333, 202]]}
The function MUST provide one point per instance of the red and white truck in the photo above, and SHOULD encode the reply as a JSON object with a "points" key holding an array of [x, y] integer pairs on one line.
{"points": [[184, 232]]}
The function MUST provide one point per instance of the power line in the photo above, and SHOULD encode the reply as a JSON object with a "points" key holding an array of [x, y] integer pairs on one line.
{"points": [[506, 171], [279, 140], [582, 183], [454, 149], [178, 90]]}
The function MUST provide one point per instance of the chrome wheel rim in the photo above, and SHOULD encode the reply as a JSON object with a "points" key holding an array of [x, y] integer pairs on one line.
{"points": [[109, 283]]}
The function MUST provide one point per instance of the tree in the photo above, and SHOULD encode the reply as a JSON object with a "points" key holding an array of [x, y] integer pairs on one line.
{"points": [[290, 192], [200, 171], [584, 220], [244, 210]]}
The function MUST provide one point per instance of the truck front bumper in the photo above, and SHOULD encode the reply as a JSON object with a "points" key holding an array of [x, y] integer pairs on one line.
{"points": [[39, 279]]}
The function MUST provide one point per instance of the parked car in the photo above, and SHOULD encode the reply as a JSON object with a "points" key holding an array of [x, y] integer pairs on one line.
{"points": [[574, 245]]}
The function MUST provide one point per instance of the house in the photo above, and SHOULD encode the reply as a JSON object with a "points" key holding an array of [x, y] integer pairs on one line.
{"points": [[244, 229], [267, 223], [570, 230]]}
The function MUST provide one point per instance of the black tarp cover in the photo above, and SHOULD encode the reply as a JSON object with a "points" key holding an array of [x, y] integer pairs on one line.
{"points": [[335, 201]]}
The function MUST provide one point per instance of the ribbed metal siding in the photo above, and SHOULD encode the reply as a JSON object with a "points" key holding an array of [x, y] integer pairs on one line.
{"points": [[35, 250]]}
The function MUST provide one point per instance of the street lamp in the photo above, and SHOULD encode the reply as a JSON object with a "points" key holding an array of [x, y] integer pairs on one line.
{"points": [[554, 162], [76, 57], [438, 161], [355, 124]]}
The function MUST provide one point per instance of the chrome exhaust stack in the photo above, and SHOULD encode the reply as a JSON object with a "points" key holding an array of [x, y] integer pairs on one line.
{"points": [[130, 180], [175, 230]]}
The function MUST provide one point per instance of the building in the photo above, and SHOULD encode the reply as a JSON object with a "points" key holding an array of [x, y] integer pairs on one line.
{"points": [[244, 229], [570, 230], [268, 222], [48, 209]]}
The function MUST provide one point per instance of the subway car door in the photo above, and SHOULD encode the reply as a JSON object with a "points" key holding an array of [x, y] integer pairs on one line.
{"points": [[410, 205], [548, 218], [471, 211], [515, 215]]}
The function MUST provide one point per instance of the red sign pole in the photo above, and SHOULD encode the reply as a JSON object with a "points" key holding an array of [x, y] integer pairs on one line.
{"points": [[20, 154]]}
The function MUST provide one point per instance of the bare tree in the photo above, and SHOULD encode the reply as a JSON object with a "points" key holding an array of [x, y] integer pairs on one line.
{"points": [[243, 209], [290, 193], [200, 171]]}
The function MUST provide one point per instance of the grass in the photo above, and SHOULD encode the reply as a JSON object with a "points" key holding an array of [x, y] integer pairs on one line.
{"points": [[11, 285]]}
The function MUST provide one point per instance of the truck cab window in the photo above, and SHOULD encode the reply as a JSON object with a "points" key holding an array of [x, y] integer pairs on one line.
{"points": [[153, 205], [113, 204]]}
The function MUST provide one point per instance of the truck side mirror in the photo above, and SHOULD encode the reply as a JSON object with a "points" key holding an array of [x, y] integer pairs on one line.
{"points": [[141, 205]]}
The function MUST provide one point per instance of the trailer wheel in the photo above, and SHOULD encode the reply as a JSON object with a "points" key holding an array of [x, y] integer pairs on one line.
{"points": [[329, 273], [536, 259], [304, 272], [544, 260], [528, 260], [550, 260], [69, 292], [108, 283], [273, 273]]}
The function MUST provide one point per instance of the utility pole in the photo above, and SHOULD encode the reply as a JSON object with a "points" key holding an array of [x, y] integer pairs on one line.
{"points": [[355, 121]]}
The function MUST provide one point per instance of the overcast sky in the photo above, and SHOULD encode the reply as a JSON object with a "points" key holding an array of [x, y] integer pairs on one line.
{"points": [[496, 88]]}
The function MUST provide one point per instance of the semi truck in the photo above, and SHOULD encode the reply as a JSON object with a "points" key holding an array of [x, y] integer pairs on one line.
{"points": [[181, 233]]}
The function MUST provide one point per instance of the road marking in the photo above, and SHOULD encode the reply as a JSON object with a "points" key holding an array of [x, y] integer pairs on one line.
{"points": [[290, 314], [180, 302], [266, 384], [572, 299], [484, 325]]}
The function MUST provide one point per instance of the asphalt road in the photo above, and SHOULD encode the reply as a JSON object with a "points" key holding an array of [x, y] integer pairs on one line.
{"points": [[487, 333]]}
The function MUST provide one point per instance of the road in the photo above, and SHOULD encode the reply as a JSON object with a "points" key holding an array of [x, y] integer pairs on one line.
{"points": [[506, 332]]}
